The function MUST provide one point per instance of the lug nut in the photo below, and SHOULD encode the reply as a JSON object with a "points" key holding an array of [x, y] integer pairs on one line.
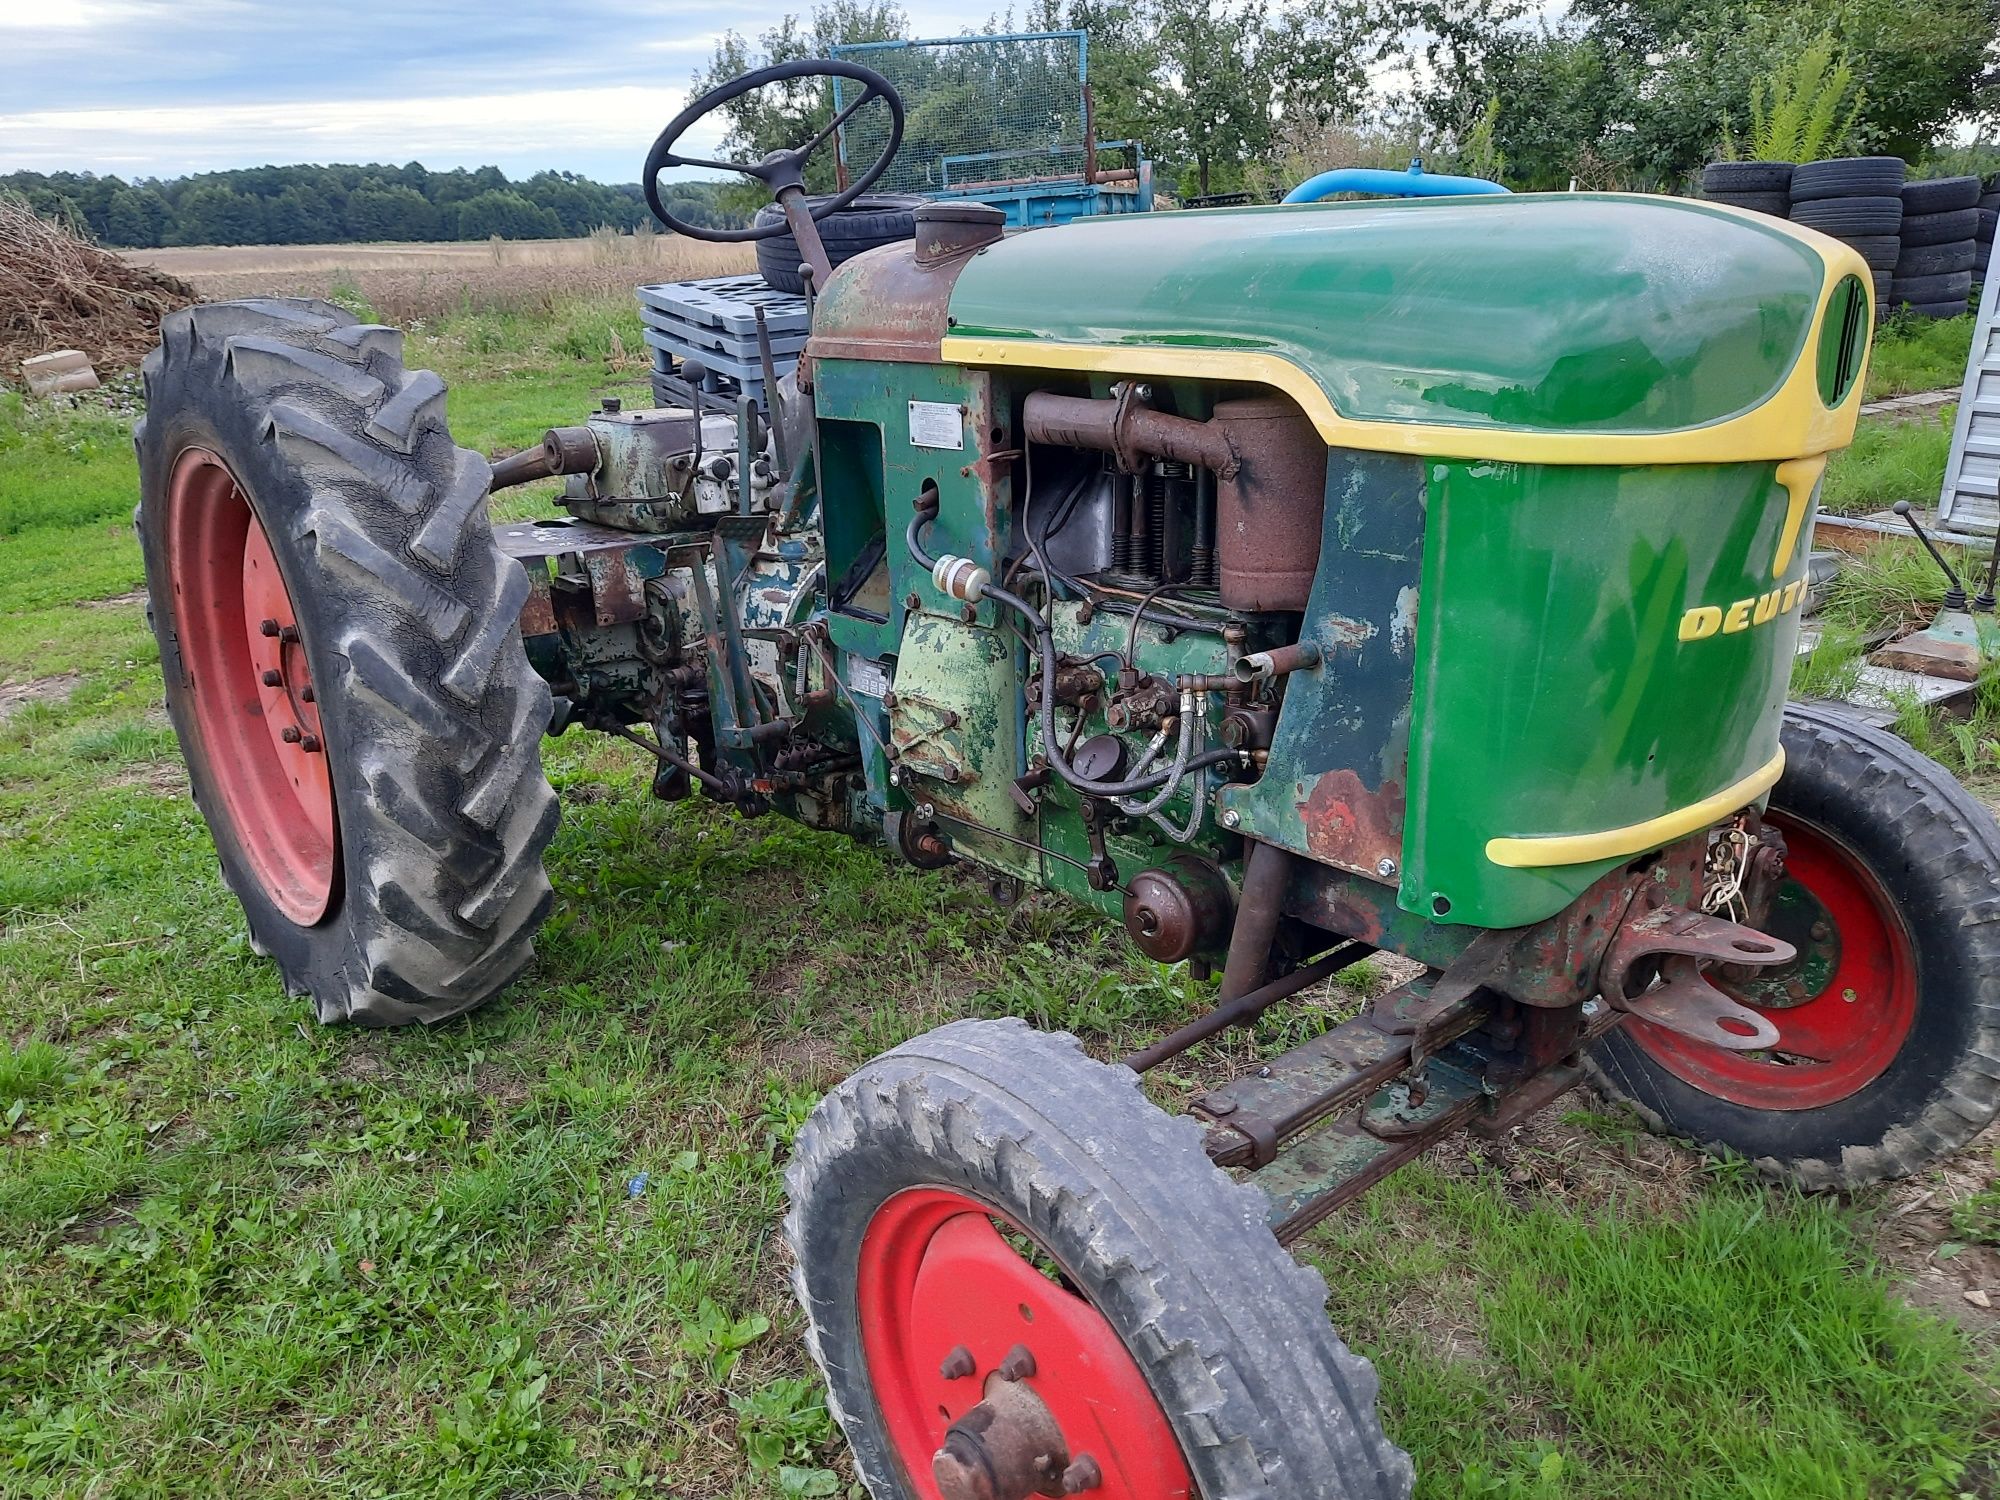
{"points": [[273, 677], [306, 693], [268, 627], [310, 744], [290, 734], [1082, 1474], [288, 633], [1018, 1365], [958, 1364]]}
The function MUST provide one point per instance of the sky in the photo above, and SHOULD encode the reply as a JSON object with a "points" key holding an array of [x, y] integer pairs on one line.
{"points": [[161, 88]]}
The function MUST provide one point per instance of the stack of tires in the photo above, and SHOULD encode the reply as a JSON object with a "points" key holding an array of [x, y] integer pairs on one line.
{"points": [[1761, 185], [1857, 199], [1940, 243], [1989, 213]]}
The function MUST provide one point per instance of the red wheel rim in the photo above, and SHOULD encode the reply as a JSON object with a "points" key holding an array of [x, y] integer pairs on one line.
{"points": [[1848, 1002], [936, 1275], [250, 687]]}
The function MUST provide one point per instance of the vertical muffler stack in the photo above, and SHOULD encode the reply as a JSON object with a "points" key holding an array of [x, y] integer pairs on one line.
{"points": [[1268, 512]]}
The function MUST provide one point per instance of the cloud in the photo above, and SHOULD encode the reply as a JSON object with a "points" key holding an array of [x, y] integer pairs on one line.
{"points": [[550, 125], [167, 87]]}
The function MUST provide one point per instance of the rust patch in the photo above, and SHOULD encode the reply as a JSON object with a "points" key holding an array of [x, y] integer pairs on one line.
{"points": [[1339, 633], [882, 305], [1350, 826], [538, 615]]}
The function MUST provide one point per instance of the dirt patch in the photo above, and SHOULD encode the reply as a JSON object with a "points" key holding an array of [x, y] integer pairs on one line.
{"points": [[61, 292], [158, 778], [116, 601], [1910, 1230], [15, 696]]}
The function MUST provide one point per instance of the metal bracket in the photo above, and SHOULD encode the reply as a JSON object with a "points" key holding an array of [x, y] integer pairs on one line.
{"points": [[1684, 1001]]}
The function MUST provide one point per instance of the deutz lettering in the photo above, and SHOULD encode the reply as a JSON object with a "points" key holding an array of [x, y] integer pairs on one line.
{"points": [[1705, 620]]}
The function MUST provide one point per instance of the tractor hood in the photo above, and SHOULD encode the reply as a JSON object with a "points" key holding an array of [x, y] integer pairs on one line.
{"points": [[1554, 328]]}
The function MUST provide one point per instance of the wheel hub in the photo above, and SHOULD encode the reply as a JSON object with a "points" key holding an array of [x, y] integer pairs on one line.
{"points": [[1841, 1010], [1008, 1447], [996, 1380]]}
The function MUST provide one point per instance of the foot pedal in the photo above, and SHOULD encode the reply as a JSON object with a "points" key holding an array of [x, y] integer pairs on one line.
{"points": [[1686, 1003]]}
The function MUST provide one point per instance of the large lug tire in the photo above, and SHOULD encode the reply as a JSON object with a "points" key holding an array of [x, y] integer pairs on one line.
{"points": [[1214, 1364], [1892, 891], [1847, 177], [291, 468], [1940, 195], [868, 222]]}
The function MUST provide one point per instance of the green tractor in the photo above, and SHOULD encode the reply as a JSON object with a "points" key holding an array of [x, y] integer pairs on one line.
{"points": [[1289, 584]]}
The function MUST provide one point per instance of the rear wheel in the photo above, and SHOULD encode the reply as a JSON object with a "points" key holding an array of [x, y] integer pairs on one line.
{"points": [[1889, 1020], [340, 639], [1005, 1254]]}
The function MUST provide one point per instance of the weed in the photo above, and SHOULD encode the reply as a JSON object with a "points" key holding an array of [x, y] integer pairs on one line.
{"points": [[1978, 1217], [1832, 668], [1890, 460], [1912, 354]]}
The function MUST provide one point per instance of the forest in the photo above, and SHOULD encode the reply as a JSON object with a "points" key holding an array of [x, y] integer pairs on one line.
{"points": [[315, 205], [1237, 96]]}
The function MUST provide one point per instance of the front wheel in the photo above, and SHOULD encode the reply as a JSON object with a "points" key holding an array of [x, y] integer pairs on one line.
{"points": [[1022, 1278], [1889, 1021]]}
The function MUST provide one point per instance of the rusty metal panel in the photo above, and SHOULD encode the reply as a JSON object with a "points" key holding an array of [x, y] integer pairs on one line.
{"points": [[616, 564], [883, 305], [1334, 788]]}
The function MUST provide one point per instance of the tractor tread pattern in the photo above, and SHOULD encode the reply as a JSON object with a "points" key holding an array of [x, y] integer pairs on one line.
{"points": [[1230, 1332], [434, 715]]}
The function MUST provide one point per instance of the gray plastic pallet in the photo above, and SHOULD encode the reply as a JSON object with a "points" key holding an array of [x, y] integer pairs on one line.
{"points": [[729, 304], [1970, 499], [714, 321]]}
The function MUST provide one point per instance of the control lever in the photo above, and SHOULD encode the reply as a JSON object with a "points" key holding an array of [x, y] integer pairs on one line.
{"points": [[1954, 597], [1984, 601]]}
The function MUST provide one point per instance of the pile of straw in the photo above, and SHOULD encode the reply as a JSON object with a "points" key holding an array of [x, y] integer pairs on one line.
{"points": [[61, 292]]}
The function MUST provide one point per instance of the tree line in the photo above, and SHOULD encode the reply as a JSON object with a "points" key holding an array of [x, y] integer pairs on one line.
{"points": [[311, 205], [1232, 95], [1227, 96]]}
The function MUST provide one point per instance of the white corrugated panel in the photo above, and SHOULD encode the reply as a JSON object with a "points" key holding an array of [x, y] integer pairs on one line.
{"points": [[1970, 500]]}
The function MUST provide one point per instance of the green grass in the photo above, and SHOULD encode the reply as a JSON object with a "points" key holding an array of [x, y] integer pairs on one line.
{"points": [[534, 1252], [1918, 354], [1890, 459]]}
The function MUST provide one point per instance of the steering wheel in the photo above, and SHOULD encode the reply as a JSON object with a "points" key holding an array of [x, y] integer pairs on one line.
{"points": [[781, 171]]}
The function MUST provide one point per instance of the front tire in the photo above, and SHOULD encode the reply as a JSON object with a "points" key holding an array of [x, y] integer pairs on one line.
{"points": [[340, 638], [1889, 1022], [987, 1184]]}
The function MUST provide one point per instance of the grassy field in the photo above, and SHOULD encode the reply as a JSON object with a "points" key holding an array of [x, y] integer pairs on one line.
{"points": [[418, 283], [535, 1252]]}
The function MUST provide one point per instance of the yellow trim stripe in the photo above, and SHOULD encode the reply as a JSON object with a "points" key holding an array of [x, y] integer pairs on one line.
{"points": [[1793, 421], [1799, 476], [1636, 838]]}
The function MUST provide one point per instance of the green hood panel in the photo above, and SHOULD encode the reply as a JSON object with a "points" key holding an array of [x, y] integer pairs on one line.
{"points": [[1574, 313]]}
